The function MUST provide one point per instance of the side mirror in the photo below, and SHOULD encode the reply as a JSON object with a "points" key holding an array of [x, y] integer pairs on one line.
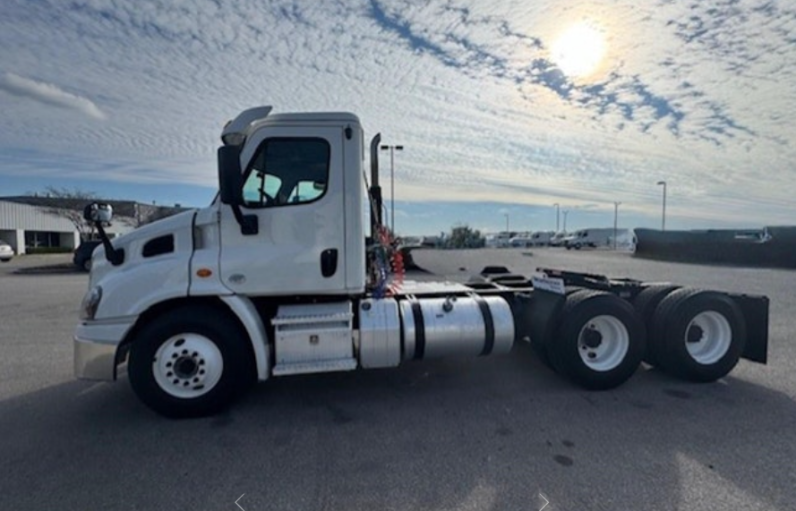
{"points": [[98, 212], [230, 186], [230, 177]]}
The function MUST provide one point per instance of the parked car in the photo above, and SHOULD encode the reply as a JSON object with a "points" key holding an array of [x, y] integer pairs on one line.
{"points": [[82, 255], [6, 252]]}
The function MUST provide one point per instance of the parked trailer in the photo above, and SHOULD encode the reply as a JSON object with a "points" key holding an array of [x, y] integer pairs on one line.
{"points": [[276, 277]]}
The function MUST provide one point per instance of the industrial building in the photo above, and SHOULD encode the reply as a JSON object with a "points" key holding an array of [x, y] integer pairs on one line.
{"points": [[33, 221]]}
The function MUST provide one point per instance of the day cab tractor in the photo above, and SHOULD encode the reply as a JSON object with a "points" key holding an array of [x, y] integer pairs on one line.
{"points": [[278, 277]]}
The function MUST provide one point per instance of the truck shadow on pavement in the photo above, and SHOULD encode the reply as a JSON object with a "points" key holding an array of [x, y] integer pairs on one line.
{"points": [[454, 434]]}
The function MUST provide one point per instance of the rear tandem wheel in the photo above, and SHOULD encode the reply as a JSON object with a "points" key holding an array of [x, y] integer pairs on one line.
{"points": [[600, 340], [697, 335], [645, 304]]}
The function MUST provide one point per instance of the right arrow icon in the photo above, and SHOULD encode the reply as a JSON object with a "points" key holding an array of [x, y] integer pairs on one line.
{"points": [[546, 502]]}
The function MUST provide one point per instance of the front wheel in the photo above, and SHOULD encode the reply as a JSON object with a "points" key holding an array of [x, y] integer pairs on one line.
{"points": [[191, 362], [600, 340]]}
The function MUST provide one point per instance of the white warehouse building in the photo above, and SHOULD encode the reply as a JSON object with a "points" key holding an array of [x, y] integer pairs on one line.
{"points": [[25, 221]]}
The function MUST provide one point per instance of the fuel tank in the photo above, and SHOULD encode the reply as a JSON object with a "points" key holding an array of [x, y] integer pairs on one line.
{"points": [[456, 325]]}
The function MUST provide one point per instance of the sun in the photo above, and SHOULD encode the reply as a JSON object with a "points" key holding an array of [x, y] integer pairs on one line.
{"points": [[578, 51]]}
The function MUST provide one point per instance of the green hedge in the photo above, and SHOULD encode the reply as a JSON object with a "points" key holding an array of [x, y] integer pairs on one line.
{"points": [[48, 250]]}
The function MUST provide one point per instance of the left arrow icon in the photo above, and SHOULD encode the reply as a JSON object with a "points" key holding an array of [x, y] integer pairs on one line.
{"points": [[237, 504]]}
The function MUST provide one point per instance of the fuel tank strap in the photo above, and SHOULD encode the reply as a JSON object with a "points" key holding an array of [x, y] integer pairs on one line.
{"points": [[420, 330], [489, 325]]}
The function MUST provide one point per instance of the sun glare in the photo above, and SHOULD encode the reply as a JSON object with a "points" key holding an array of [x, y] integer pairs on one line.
{"points": [[578, 51]]}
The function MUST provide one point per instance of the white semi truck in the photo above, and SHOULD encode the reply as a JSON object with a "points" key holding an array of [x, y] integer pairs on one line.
{"points": [[278, 277]]}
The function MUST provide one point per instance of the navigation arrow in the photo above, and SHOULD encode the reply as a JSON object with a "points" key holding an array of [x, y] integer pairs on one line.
{"points": [[546, 502], [236, 503]]}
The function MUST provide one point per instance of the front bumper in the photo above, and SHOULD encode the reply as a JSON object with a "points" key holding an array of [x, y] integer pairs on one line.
{"points": [[96, 345]]}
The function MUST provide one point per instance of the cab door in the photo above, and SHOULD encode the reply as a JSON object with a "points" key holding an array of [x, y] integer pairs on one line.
{"points": [[293, 183]]}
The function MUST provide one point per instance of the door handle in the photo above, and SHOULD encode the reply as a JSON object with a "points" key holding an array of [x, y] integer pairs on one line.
{"points": [[329, 262]]}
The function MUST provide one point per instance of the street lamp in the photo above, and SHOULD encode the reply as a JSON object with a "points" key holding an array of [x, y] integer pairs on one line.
{"points": [[616, 216], [392, 149], [507, 222], [566, 212], [663, 215], [557, 212]]}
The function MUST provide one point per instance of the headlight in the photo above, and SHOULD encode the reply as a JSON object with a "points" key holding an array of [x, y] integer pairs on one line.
{"points": [[90, 303]]}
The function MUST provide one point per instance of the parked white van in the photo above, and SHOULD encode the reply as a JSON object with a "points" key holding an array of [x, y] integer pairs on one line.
{"points": [[541, 238], [499, 240], [557, 239], [592, 238]]}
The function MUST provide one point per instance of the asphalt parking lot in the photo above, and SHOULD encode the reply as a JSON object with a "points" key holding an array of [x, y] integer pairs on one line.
{"points": [[473, 434]]}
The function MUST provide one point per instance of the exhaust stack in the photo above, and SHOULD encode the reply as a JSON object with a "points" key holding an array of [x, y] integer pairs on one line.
{"points": [[375, 188]]}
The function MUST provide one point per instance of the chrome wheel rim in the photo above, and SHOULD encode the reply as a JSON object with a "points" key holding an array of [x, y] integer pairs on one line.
{"points": [[708, 337], [187, 366], [603, 343]]}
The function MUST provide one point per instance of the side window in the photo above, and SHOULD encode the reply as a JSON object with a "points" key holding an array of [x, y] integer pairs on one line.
{"points": [[287, 171]]}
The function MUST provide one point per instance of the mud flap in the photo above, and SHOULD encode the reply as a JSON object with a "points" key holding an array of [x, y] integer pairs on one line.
{"points": [[755, 312], [536, 315]]}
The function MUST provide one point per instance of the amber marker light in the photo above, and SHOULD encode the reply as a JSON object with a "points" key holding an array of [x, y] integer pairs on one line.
{"points": [[204, 272]]}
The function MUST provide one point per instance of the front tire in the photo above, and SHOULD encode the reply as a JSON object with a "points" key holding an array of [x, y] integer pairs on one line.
{"points": [[190, 362], [600, 340]]}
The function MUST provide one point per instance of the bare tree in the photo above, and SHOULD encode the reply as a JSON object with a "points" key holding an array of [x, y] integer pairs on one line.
{"points": [[69, 204], [143, 214], [159, 214]]}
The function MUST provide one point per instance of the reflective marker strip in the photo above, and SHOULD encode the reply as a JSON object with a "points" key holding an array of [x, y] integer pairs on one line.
{"points": [[489, 325], [420, 330]]}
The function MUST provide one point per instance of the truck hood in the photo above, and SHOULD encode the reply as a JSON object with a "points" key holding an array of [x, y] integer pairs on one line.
{"points": [[133, 242]]}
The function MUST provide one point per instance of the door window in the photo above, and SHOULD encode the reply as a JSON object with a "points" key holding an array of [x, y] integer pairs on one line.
{"points": [[287, 171]]}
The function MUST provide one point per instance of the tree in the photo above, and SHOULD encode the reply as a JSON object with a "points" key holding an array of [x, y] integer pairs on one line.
{"points": [[462, 236], [69, 204], [143, 214]]}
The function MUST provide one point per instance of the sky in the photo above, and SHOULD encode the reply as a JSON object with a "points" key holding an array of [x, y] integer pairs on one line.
{"points": [[504, 107]]}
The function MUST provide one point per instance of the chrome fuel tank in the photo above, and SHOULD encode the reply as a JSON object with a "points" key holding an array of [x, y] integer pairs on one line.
{"points": [[456, 325]]}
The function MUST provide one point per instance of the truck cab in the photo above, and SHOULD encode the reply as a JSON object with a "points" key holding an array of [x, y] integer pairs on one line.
{"points": [[291, 230], [301, 186]]}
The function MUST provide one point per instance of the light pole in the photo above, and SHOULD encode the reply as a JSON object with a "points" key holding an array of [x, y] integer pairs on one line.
{"points": [[616, 216], [566, 212], [392, 149], [663, 215], [557, 215]]}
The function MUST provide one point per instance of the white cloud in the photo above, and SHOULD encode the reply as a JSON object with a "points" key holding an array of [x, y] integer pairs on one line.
{"points": [[49, 95], [701, 96]]}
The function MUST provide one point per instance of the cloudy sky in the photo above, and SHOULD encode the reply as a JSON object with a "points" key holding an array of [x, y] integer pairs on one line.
{"points": [[504, 107]]}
